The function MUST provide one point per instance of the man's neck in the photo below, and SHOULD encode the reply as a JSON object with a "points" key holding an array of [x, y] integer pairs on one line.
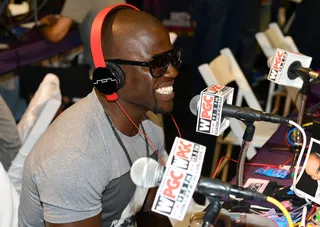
{"points": [[119, 119]]}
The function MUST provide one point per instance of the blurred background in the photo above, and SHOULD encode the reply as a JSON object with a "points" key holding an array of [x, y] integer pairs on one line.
{"points": [[37, 38]]}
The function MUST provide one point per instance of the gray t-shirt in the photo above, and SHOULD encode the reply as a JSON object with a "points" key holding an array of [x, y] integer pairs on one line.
{"points": [[77, 169], [10, 142], [84, 12]]}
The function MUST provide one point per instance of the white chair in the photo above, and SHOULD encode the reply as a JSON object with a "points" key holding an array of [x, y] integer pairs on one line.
{"points": [[269, 41], [48, 89], [39, 114], [9, 200], [223, 70]]}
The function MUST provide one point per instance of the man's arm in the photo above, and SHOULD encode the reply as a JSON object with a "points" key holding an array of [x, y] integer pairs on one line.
{"points": [[90, 222], [57, 31]]}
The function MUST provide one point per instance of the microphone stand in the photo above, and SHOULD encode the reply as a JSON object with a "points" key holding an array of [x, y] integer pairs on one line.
{"points": [[211, 212], [305, 90], [234, 204], [246, 141]]}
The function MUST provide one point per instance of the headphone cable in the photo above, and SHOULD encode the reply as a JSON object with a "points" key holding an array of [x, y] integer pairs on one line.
{"points": [[141, 132]]}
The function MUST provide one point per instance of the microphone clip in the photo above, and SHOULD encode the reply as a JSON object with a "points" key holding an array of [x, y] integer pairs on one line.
{"points": [[212, 211], [249, 131]]}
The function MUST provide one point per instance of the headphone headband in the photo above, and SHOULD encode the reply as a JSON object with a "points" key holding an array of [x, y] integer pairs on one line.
{"points": [[96, 34]]}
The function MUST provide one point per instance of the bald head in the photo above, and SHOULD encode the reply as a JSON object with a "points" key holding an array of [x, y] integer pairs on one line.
{"points": [[127, 33], [313, 166]]}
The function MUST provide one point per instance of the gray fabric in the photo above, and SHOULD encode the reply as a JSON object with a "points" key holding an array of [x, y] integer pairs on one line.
{"points": [[78, 169], [9, 136], [84, 12]]}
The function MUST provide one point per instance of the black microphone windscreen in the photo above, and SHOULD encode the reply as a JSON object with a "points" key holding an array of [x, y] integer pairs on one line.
{"points": [[193, 105]]}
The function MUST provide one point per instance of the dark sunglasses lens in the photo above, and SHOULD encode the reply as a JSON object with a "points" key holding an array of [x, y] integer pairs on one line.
{"points": [[159, 65]]}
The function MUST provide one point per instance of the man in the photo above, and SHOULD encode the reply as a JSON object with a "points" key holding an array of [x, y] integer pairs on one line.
{"points": [[54, 28], [10, 142], [78, 173], [313, 166], [313, 170]]}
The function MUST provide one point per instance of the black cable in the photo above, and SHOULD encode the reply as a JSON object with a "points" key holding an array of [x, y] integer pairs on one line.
{"points": [[122, 144]]}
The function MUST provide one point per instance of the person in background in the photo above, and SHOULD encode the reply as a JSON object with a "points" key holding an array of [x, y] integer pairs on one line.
{"points": [[74, 80], [313, 166], [313, 170], [10, 142], [78, 172], [309, 182], [55, 27]]}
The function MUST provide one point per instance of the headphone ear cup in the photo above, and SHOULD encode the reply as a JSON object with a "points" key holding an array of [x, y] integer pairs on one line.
{"points": [[118, 73], [108, 80]]}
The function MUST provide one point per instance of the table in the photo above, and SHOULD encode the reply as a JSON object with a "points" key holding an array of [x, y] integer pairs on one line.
{"points": [[270, 157], [34, 50]]}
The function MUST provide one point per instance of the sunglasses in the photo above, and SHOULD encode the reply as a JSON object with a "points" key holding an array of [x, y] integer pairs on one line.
{"points": [[159, 63]]}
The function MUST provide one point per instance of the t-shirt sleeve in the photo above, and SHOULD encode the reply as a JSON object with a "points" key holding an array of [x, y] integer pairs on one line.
{"points": [[70, 187], [77, 10], [10, 140]]}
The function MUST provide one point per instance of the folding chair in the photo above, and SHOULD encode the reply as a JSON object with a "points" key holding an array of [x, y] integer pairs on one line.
{"points": [[39, 114], [223, 70]]}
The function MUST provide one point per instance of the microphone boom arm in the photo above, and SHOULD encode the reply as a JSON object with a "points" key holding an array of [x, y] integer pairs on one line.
{"points": [[246, 141]]}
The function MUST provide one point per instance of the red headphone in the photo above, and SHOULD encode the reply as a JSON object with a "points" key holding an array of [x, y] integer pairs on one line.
{"points": [[107, 78]]}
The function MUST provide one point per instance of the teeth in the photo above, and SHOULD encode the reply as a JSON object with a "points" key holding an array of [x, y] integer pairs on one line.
{"points": [[165, 90]]}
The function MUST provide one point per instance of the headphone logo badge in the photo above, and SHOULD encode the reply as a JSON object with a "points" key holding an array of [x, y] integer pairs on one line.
{"points": [[106, 80]]}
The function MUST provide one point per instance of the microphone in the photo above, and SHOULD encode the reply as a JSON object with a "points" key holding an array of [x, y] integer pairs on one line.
{"points": [[295, 68], [210, 119], [290, 69], [182, 172], [147, 172], [240, 113]]}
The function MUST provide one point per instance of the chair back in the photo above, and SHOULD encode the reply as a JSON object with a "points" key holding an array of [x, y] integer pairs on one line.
{"points": [[223, 70], [269, 41], [217, 72], [245, 90], [49, 89]]}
